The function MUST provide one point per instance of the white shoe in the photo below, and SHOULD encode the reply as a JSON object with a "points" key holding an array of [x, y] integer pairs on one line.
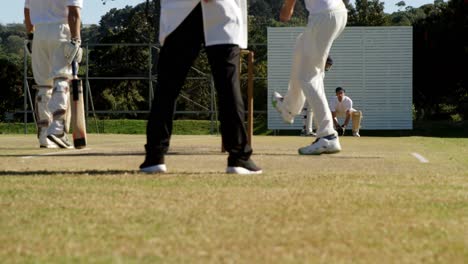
{"points": [[327, 145], [277, 102], [44, 142], [48, 145], [160, 168], [61, 140], [244, 167], [356, 134], [241, 170]]}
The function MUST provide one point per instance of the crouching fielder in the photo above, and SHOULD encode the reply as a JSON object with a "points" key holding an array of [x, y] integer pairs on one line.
{"points": [[342, 106], [53, 28]]}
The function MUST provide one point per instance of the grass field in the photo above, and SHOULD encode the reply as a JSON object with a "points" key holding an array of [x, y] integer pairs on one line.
{"points": [[374, 202]]}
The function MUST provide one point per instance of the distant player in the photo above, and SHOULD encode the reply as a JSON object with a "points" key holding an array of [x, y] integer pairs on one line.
{"points": [[327, 19], [342, 106], [53, 27]]}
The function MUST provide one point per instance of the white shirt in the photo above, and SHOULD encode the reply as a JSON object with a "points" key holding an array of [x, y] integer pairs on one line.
{"points": [[341, 107], [317, 6], [224, 21], [50, 11]]}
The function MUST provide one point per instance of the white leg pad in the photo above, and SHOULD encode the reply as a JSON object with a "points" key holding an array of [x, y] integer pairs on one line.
{"points": [[43, 114], [356, 118], [59, 106]]}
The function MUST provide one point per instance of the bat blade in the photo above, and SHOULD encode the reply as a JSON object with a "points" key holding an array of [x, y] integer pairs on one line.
{"points": [[78, 115]]}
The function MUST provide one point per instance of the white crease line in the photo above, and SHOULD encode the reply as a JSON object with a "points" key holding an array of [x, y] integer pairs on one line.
{"points": [[420, 157], [55, 153]]}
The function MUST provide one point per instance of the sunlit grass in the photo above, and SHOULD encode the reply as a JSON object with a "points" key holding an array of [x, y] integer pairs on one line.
{"points": [[371, 203]]}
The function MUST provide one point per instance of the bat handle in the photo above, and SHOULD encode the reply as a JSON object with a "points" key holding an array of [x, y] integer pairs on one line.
{"points": [[74, 65]]}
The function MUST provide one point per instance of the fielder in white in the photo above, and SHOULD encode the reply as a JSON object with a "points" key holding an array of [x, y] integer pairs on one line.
{"points": [[342, 106], [327, 19], [53, 28]]}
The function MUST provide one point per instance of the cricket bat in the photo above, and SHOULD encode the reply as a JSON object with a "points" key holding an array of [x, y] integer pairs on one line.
{"points": [[77, 110]]}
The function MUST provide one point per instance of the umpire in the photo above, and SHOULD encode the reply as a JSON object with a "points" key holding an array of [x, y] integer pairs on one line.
{"points": [[185, 27]]}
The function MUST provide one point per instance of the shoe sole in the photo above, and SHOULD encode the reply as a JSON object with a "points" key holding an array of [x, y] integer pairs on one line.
{"points": [[59, 142], [319, 153], [49, 146], [161, 168], [241, 171]]}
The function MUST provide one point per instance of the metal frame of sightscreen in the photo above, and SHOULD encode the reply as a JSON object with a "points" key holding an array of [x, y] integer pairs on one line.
{"points": [[89, 106]]}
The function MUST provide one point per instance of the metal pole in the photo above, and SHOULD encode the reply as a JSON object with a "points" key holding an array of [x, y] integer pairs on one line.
{"points": [[150, 76], [25, 81], [250, 86], [86, 76], [212, 110]]}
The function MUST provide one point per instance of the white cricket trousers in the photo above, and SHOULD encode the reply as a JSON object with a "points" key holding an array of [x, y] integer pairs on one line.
{"points": [[50, 69], [307, 73]]}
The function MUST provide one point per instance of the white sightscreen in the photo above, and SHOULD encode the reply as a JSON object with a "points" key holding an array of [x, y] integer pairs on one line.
{"points": [[373, 64]]}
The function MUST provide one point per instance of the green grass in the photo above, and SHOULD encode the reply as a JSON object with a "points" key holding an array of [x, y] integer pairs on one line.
{"points": [[204, 127], [371, 203], [120, 126]]}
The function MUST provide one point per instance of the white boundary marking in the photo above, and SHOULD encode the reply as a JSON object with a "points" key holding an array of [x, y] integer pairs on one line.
{"points": [[142, 142], [55, 153], [420, 157]]}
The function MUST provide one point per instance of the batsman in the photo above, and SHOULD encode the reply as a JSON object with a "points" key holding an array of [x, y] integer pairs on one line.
{"points": [[54, 40]]}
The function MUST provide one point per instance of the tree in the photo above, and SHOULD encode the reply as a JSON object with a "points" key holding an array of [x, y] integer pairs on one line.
{"points": [[400, 4], [439, 61], [11, 79], [366, 13], [127, 25]]}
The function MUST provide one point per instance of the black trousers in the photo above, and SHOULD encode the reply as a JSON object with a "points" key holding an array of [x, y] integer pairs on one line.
{"points": [[177, 55]]}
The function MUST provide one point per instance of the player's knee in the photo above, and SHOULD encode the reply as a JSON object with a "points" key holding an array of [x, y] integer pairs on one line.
{"points": [[59, 102], [357, 114], [61, 85]]}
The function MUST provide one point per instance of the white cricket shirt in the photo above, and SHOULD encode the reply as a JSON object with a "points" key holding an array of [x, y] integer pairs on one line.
{"points": [[341, 107], [50, 11], [224, 21]]}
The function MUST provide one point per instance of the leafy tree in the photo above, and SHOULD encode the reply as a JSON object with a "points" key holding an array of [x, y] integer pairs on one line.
{"points": [[401, 4], [11, 79], [366, 13], [439, 61], [127, 25], [11, 67], [14, 44]]}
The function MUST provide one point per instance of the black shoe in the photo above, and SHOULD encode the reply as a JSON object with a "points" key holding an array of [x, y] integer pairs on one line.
{"points": [[244, 167], [153, 165]]}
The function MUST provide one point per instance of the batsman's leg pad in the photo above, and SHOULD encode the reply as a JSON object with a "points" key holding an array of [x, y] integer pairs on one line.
{"points": [[43, 114], [68, 117], [356, 118], [59, 106]]}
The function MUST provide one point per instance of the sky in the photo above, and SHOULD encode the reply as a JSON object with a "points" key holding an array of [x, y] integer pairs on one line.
{"points": [[12, 11]]}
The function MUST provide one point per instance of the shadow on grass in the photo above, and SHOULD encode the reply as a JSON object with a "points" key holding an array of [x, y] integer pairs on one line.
{"points": [[201, 153], [443, 129], [136, 172]]}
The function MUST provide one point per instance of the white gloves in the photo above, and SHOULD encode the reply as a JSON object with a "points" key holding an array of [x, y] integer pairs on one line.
{"points": [[73, 51]]}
